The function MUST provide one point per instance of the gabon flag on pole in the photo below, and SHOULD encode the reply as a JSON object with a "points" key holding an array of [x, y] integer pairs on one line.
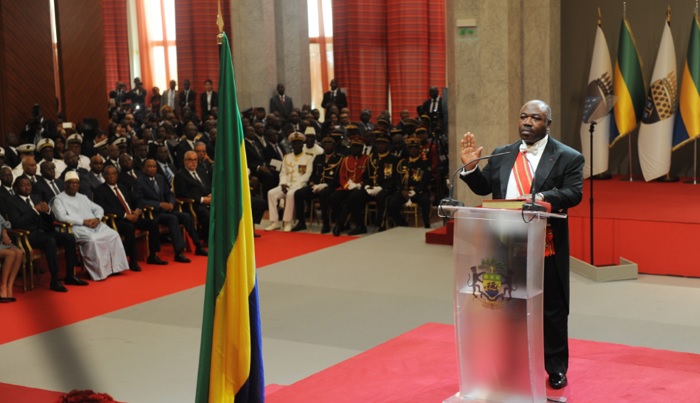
{"points": [[628, 86], [687, 126], [656, 130], [230, 357], [600, 89]]}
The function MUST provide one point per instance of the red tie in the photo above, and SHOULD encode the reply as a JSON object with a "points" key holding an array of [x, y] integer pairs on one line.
{"points": [[121, 200], [522, 174]]}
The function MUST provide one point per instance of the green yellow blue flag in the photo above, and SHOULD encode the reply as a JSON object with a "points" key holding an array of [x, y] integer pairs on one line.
{"points": [[628, 86], [687, 126], [230, 357]]}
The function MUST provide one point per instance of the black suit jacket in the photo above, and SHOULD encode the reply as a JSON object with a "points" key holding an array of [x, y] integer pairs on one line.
{"points": [[190, 100], [187, 186], [203, 105], [271, 153], [43, 189], [127, 180], [559, 177], [146, 191], [23, 216], [88, 183], [105, 197], [283, 110], [340, 101], [425, 109], [255, 155]]}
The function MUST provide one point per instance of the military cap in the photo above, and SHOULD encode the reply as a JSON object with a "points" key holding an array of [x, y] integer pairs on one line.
{"points": [[26, 148], [382, 136], [328, 139], [410, 122], [119, 141], [74, 138], [351, 126], [101, 143], [2, 152], [45, 142], [421, 130], [296, 136], [357, 140], [310, 131], [412, 141]]}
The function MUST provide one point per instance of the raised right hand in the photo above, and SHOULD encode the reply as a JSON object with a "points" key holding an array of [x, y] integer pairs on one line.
{"points": [[469, 151]]}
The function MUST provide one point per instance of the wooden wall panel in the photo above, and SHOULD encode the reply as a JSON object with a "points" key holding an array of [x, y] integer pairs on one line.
{"points": [[82, 60], [26, 63]]}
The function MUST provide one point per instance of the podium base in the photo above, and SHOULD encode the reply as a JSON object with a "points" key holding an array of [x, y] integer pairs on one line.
{"points": [[457, 398], [626, 270]]}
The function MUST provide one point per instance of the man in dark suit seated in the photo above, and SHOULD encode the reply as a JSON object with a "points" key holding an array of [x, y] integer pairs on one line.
{"points": [[72, 164], [192, 182], [118, 199], [155, 192], [127, 173], [556, 171], [27, 212], [187, 144], [47, 186], [92, 179], [6, 190], [163, 164]]}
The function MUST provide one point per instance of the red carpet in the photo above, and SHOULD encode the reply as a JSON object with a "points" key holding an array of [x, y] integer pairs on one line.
{"points": [[655, 225], [420, 366], [41, 309]]}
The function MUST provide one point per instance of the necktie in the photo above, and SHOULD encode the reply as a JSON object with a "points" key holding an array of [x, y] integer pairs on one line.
{"points": [[522, 174], [100, 178], [29, 202], [33, 179], [132, 173], [54, 187], [121, 200], [168, 173], [171, 95], [194, 173], [12, 192], [333, 97], [433, 106], [155, 184], [187, 97]]}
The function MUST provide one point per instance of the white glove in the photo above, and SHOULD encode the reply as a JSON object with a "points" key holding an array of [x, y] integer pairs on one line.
{"points": [[351, 185], [409, 203], [374, 191], [411, 193]]}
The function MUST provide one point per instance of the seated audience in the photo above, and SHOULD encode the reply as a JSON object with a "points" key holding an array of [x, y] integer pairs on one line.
{"points": [[192, 182], [412, 181]]}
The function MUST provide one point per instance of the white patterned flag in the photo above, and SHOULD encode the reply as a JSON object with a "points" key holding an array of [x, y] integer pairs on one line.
{"points": [[599, 91], [656, 130]]}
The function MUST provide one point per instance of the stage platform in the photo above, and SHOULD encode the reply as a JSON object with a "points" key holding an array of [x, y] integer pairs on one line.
{"points": [[654, 224]]}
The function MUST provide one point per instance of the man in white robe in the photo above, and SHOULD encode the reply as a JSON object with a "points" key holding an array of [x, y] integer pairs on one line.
{"points": [[101, 246]]}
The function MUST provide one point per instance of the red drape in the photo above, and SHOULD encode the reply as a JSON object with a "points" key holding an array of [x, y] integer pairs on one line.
{"points": [[381, 42], [116, 43], [360, 53], [197, 51], [416, 39]]}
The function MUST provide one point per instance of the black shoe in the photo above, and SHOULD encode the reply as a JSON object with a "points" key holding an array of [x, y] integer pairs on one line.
{"points": [[4, 300], [336, 230], [57, 286], [134, 267], [358, 230], [180, 258], [73, 280], [558, 380], [200, 251], [325, 229], [381, 229], [256, 235], [299, 227], [156, 260]]}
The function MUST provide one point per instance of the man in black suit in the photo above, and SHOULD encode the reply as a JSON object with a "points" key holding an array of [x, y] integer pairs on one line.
{"points": [[558, 180], [281, 103], [188, 99], [72, 164], [6, 191], [433, 106], [127, 173], [334, 97], [92, 179], [27, 212], [209, 99], [155, 192], [186, 144], [165, 167], [11, 154], [117, 199], [192, 182], [47, 186]]}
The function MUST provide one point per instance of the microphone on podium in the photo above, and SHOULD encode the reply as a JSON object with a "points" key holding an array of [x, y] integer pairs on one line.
{"points": [[449, 201]]}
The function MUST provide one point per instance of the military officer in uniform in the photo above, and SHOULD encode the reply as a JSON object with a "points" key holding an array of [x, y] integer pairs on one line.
{"points": [[352, 168], [322, 183], [413, 181]]}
